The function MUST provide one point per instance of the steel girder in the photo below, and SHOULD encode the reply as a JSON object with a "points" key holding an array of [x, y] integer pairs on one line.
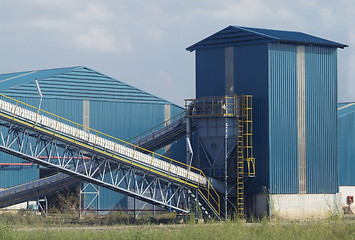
{"points": [[51, 151]]}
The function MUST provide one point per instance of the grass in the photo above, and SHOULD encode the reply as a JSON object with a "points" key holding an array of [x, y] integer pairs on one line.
{"points": [[119, 227]]}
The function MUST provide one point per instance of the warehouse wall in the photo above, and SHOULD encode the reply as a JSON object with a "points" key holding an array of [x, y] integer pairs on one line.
{"points": [[251, 77], [321, 121], [283, 118]]}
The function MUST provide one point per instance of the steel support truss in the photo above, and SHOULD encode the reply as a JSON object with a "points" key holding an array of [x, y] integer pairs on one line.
{"points": [[50, 151]]}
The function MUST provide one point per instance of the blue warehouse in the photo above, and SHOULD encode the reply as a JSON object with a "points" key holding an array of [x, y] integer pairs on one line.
{"points": [[261, 136]]}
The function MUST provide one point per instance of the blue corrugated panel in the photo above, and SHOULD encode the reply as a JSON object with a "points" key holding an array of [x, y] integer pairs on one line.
{"points": [[16, 175], [248, 80], [236, 35], [73, 83], [126, 121], [210, 71], [321, 120], [283, 118], [15, 79], [346, 144], [345, 108]]}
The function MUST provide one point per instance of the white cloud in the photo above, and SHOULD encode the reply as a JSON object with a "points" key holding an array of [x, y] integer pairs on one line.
{"points": [[95, 12], [159, 30], [155, 34], [166, 80], [250, 12], [52, 4], [50, 24], [99, 39], [328, 17]]}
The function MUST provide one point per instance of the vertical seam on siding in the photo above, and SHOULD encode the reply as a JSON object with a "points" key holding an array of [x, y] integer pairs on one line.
{"points": [[301, 119], [86, 113], [229, 71]]}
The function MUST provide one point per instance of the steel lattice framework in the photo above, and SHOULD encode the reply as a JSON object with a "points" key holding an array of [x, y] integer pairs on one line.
{"points": [[47, 150]]}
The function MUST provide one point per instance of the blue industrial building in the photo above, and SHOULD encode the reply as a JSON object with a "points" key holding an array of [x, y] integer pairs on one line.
{"points": [[346, 143], [292, 77], [93, 99], [296, 123], [346, 149]]}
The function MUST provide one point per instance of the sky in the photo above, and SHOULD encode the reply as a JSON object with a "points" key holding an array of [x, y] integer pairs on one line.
{"points": [[142, 43]]}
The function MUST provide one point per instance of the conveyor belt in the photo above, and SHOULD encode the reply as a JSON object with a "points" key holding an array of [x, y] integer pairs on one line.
{"points": [[111, 147], [124, 163], [36, 189]]}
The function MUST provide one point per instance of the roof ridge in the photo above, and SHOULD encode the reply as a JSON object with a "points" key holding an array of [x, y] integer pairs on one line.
{"points": [[237, 36], [249, 30], [37, 70], [14, 81]]}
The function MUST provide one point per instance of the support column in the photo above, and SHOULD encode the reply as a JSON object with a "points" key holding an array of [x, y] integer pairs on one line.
{"points": [[86, 114], [229, 91]]}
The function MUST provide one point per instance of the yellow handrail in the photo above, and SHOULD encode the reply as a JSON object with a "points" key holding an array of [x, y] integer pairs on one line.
{"points": [[157, 126], [211, 106], [211, 192]]}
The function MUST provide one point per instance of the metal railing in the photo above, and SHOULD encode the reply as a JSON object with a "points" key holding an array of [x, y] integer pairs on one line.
{"points": [[211, 106], [157, 127], [240, 107]]}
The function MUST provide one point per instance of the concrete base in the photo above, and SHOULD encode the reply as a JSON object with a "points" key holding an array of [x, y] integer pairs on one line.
{"points": [[20, 206], [303, 206]]}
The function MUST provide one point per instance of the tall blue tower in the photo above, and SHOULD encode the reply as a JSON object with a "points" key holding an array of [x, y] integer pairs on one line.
{"points": [[292, 77]]}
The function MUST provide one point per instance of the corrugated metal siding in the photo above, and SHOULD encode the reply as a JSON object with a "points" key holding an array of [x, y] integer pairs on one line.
{"points": [[9, 80], [283, 118], [346, 149], [77, 83], [125, 121], [345, 108], [210, 72], [251, 77], [16, 175], [321, 120]]}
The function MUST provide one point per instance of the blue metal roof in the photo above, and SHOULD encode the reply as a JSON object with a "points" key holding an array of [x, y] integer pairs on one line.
{"points": [[345, 108], [236, 35], [73, 83]]}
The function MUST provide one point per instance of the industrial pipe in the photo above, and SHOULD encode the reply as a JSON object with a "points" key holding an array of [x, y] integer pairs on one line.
{"points": [[16, 164], [189, 152]]}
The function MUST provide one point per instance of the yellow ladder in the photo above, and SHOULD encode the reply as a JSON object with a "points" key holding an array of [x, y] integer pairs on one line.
{"points": [[248, 134], [240, 160], [245, 159]]}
